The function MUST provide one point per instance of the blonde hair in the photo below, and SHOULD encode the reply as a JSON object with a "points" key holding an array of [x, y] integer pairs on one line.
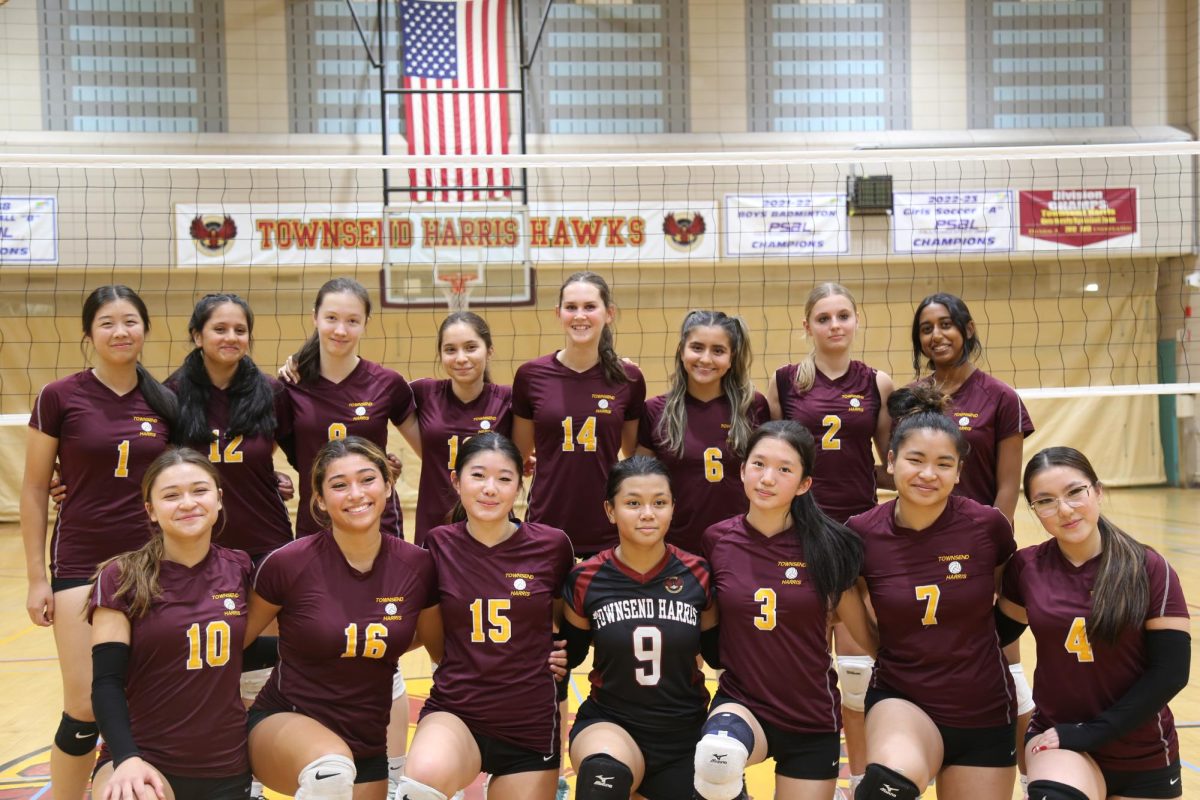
{"points": [[806, 369]]}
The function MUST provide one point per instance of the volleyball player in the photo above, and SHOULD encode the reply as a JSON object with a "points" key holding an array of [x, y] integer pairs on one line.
{"points": [[168, 623], [782, 572], [643, 604], [843, 403], [1111, 626], [104, 425], [577, 408], [700, 427], [994, 423], [349, 600], [449, 411], [941, 701], [493, 706]]}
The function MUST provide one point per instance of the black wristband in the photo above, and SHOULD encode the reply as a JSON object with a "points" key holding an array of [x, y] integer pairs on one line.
{"points": [[1009, 629], [710, 646], [262, 653], [110, 660], [578, 642]]}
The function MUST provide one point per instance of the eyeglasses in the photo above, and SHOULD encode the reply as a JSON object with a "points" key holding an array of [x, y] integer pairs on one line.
{"points": [[1074, 498]]}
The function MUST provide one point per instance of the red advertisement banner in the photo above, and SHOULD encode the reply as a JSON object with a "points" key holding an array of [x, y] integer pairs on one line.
{"points": [[1079, 217]]}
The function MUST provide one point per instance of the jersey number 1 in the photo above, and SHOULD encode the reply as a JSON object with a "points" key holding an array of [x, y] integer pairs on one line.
{"points": [[374, 645], [216, 638], [499, 628], [586, 436]]}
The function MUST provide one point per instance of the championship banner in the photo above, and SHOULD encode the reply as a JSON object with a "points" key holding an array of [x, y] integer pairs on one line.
{"points": [[952, 222], [28, 230], [780, 225], [277, 235], [1064, 219]]}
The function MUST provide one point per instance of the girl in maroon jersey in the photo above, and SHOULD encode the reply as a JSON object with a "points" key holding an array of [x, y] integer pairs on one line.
{"points": [[1112, 632], [843, 403], [783, 571], [993, 421], [349, 600], [104, 425], [168, 622], [700, 427], [450, 411], [493, 706], [941, 701], [578, 408]]}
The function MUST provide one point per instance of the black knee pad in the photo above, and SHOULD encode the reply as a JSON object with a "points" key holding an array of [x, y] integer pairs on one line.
{"points": [[602, 777], [881, 783], [1053, 790], [732, 726], [76, 738]]}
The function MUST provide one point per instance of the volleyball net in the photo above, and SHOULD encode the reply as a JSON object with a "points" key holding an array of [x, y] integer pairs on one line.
{"points": [[1078, 263]]}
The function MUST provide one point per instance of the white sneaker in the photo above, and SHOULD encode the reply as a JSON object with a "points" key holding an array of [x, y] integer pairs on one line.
{"points": [[720, 762]]}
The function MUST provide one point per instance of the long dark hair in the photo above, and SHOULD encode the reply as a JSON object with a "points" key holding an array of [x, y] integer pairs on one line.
{"points": [[338, 448], [487, 442], [140, 568], [251, 398], [614, 370], [922, 407], [475, 323], [833, 552], [1121, 591], [308, 359], [960, 317], [157, 396]]}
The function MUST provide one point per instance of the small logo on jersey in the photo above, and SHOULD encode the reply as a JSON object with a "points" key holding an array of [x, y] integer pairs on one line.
{"points": [[213, 233], [964, 422], [602, 404], [360, 411], [229, 604], [485, 425], [790, 573], [521, 581], [673, 584], [955, 567], [390, 609], [146, 426], [684, 231], [855, 402], [519, 584]]}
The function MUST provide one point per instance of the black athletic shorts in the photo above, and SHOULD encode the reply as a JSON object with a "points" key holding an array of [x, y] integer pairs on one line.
{"points": [[1165, 782], [62, 584], [234, 788], [368, 768], [505, 758], [804, 756], [965, 747], [669, 755]]}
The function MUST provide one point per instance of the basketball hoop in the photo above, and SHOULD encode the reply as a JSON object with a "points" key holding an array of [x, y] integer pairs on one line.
{"points": [[458, 289]]}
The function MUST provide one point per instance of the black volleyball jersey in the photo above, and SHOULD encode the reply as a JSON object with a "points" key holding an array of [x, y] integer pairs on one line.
{"points": [[646, 635]]}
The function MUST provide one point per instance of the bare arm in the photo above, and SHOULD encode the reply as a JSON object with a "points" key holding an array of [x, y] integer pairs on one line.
{"points": [[629, 433], [523, 436], [1008, 475], [773, 398], [852, 612], [40, 453], [883, 431], [430, 634], [258, 617], [1014, 611], [411, 431]]}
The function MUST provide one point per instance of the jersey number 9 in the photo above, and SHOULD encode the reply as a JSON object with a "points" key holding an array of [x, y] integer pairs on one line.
{"points": [[647, 647]]}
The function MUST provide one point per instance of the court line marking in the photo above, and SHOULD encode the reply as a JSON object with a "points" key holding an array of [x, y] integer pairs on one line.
{"points": [[18, 634]]}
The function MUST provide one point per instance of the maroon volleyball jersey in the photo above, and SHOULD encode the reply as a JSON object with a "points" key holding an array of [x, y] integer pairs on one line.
{"points": [[105, 443], [342, 631], [185, 664], [1077, 679], [987, 411], [933, 592], [707, 478], [841, 415], [577, 420], [646, 635], [360, 405], [253, 516], [497, 608], [774, 628], [446, 422]]}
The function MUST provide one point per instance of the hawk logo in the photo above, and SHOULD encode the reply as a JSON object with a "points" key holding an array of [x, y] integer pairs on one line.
{"points": [[604, 781], [673, 584], [684, 232], [213, 234]]}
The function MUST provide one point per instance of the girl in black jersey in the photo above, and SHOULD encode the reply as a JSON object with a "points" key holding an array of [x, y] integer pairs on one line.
{"points": [[643, 604]]}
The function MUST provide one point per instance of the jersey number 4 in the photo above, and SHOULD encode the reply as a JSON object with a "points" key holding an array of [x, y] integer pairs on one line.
{"points": [[216, 640], [586, 436], [1077, 641]]}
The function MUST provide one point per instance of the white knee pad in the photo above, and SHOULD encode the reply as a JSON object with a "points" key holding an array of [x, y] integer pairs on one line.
{"points": [[330, 777], [399, 688], [408, 789], [854, 676], [1024, 692], [720, 762], [253, 681]]}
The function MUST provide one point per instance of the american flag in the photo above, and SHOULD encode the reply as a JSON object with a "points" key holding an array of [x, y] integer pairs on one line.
{"points": [[455, 44]]}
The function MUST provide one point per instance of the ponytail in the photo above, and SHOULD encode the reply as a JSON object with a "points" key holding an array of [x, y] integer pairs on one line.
{"points": [[308, 359], [192, 386], [158, 397], [806, 373]]}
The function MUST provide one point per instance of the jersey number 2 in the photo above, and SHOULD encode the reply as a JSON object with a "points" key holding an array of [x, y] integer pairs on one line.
{"points": [[829, 440], [231, 455]]}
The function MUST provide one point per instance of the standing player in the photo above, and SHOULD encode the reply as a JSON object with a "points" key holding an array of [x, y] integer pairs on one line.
{"points": [[843, 403], [941, 701], [1111, 626], [576, 408], [643, 604], [104, 425], [700, 427], [782, 572], [168, 622], [348, 601], [452, 410], [231, 411], [493, 706], [993, 421]]}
